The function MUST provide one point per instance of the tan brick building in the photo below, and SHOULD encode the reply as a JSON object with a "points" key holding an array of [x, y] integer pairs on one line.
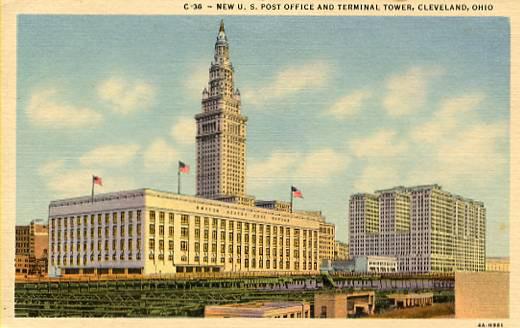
{"points": [[340, 251], [31, 248]]}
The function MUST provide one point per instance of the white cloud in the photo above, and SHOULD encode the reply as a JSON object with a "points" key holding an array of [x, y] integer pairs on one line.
{"points": [[197, 79], [291, 80], [349, 105], [381, 144], [51, 167], [64, 182], [159, 156], [281, 167], [460, 148], [407, 92], [377, 176], [321, 164], [45, 109], [184, 130], [110, 155], [126, 96], [277, 165], [451, 116], [473, 154]]}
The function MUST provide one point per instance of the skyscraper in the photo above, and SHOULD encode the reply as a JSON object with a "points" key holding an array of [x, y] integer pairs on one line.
{"points": [[221, 132], [426, 228]]}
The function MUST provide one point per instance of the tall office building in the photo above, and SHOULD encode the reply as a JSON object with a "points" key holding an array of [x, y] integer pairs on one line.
{"points": [[426, 228], [221, 132]]}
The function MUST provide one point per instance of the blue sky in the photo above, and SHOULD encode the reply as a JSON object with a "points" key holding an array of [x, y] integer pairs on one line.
{"points": [[336, 105]]}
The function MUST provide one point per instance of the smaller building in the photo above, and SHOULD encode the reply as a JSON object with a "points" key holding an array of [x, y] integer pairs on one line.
{"points": [[259, 309], [31, 248], [500, 264], [411, 299], [366, 264], [341, 251], [344, 305], [327, 240]]}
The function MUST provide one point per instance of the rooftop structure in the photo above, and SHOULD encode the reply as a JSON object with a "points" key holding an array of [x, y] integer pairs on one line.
{"points": [[259, 309]]}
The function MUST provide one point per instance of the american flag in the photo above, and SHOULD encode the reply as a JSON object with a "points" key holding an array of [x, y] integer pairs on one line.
{"points": [[183, 168], [97, 180], [296, 193]]}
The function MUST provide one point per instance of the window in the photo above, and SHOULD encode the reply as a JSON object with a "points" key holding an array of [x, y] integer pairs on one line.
{"points": [[323, 313], [170, 218], [184, 219], [152, 216], [184, 245], [170, 231], [152, 229], [161, 230], [161, 217], [184, 232]]}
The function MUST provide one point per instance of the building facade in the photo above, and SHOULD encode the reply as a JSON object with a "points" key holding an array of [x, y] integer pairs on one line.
{"points": [[327, 240], [344, 305], [497, 264], [426, 228], [340, 251], [31, 249], [221, 132], [374, 264], [152, 232]]}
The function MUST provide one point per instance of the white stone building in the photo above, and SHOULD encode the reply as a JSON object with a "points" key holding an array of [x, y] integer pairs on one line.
{"points": [[426, 228]]}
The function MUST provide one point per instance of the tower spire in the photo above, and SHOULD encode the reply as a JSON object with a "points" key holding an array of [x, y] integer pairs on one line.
{"points": [[222, 26]]}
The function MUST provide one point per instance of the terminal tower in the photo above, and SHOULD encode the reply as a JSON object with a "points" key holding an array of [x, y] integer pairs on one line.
{"points": [[221, 133]]}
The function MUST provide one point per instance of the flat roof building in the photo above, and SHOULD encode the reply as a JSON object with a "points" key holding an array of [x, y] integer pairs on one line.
{"points": [[151, 232], [497, 264], [259, 309], [426, 228], [344, 305], [31, 248], [340, 251]]}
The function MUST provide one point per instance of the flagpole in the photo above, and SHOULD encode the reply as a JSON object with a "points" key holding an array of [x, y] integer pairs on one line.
{"points": [[92, 199], [291, 198], [178, 181]]}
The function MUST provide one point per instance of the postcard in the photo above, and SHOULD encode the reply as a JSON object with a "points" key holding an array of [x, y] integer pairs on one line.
{"points": [[229, 163]]}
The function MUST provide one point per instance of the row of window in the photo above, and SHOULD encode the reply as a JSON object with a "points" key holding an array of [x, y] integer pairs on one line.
{"points": [[99, 218]]}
